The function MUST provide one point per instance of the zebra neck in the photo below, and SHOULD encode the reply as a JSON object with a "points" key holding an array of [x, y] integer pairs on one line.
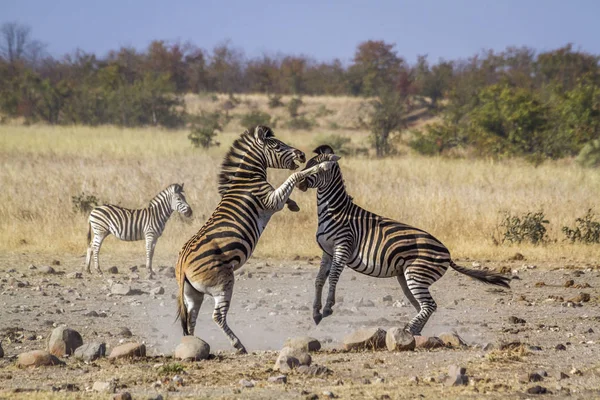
{"points": [[243, 163], [333, 199], [161, 208]]}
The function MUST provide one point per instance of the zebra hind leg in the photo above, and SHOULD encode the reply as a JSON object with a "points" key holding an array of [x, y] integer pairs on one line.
{"points": [[96, 244], [419, 288], [150, 245], [193, 301], [222, 302]]}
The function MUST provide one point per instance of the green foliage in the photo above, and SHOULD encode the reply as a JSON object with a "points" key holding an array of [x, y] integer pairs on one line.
{"points": [[275, 101], [171, 369], [300, 123], [204, 128], [387, 117], [529, 227], [323, 111], [84, 203], [340, 144], [586, 230], [294, 106], [254, 118], [589, 156]]}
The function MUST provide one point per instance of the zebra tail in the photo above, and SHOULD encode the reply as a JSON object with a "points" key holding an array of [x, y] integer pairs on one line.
{"points": [[182, 314], [88, 256], [483, 276]]}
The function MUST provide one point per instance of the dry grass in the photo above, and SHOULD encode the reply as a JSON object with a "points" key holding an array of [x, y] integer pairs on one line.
{"points": [[459, 201]]}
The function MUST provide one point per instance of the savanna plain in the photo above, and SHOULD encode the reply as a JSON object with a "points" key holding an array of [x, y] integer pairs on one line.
{"points": [[544, 325]]}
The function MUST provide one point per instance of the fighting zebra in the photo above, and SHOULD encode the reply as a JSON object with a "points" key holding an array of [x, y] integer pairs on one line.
{"points": [[207, 261], [125, 224], [375, 246]]}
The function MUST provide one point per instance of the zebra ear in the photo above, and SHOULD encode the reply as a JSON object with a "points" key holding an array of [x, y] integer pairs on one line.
{"points": [[262, 132], [334, 157], [182, 185], [323, 149]]}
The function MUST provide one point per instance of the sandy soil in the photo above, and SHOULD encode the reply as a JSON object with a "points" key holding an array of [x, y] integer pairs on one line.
{"points": [[272, 301]]}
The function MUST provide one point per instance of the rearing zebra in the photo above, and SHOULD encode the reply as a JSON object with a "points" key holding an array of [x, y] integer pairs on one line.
{"points": [[125, 224], [375, 246], [207, 261]]}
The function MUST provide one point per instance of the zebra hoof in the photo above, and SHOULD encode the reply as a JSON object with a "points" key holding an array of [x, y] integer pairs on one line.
{"points": [[317, 318], [242, 350], [327, 312], [293, 207], [151, 276]]}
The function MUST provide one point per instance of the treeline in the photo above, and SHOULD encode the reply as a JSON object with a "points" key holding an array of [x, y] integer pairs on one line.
{"points": [[516, 101]]}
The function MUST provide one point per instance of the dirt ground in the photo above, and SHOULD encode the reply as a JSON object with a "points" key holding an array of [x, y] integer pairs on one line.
{"points": [[272, 301]]}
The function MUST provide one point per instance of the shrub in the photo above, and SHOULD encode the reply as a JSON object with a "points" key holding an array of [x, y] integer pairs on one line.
{"points": [[256, 117], [340, 144], [169, 369], [204, 129], [323, 111], [275, 101], [528, 227], [589, 156], [294, 106], [587, 230], [300, 123], [84, 203]]}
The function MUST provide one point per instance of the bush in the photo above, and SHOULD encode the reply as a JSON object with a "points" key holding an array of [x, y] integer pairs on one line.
{"points": [[204, 129], [254, 118], [586, 230], [323, 111], [275, 101], [525, 228], [340, 144], [294, 106], [300, 123], [589, 156], [84, 203]]}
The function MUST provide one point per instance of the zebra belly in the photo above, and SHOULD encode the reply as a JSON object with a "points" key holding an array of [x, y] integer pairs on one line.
{"points": [[374, 268]]}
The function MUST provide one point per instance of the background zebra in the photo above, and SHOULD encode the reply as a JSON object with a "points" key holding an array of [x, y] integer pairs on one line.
{"points": [[207, 261], [375, 246], [125, 224]]}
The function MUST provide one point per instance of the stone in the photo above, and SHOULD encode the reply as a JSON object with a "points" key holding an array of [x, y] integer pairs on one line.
{"points": [[104, 387], [562, 375], [569, 283], [113, 270], [560, 346], [537, 390], [46, 269], [286, 363], [277, 379], [290, 358], [64, 341], [313, 370], [428, 342], [365, 339], [90, 351], [581, 298], [169, 272], [128, 350], [246, 383], [516, 320], [304, 343], [397, 339], [75, 275], [1, 350], [192, 348], [157, 291], [37, 358], [452, 339], [125, 332], [122, 396], [120, 289], [457, 376]]}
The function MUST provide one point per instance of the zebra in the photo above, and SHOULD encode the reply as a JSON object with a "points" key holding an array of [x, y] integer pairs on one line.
{"points": [[208, 260], [125, 224], [375, 246]]}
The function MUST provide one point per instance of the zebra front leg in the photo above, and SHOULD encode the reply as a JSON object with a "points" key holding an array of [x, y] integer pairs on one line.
{"points": [[150, 244], [192, 299], [222, 302], [340, 256], [319, 283]]}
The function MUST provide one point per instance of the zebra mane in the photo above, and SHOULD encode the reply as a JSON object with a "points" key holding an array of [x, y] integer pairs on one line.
{"points": [[237, 155], [166, 192]]}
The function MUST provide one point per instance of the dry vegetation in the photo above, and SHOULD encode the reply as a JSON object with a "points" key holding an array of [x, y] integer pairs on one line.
{"points": [[460, 201]]}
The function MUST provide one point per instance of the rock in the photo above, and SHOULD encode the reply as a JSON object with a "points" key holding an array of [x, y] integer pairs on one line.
{"points": [[290, 358], [581, 298], [575, 371], [569, 283], [128, 350], [169, 272], [246, 383], [516, 320], [562, 375], [125, 332], [122, 396], [428, 342], [304, 343], [537, 390], [1, 350], [365, 339], [113, 270], [286, 363], [192, 348], [452, 339], [55, 262], [75, 275], [457, 376], [46, 269], [37, 358], [63, 341], [108, 387], [90, 351], [517, 257], [387, 298], [157, 290], [329, 394], [560, 346], [313, 370], [120, 289], [397, 339], [530, 377], [277, 379]]}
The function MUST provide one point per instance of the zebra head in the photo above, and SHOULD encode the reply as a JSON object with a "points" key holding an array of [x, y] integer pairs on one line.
{"points": [[324, 177], [178, 202], [276, 153]]}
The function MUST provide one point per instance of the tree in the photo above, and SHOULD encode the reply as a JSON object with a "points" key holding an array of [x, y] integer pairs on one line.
{"points": [[387, 117], [433, 81], [17, 45], [376, 67]]}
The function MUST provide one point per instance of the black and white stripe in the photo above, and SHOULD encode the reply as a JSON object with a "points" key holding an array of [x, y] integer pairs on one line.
{"points": [[130, 225], [375, 246]]}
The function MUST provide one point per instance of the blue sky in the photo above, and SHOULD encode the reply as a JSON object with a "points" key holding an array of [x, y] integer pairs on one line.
{"points": [[325, 30]]}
